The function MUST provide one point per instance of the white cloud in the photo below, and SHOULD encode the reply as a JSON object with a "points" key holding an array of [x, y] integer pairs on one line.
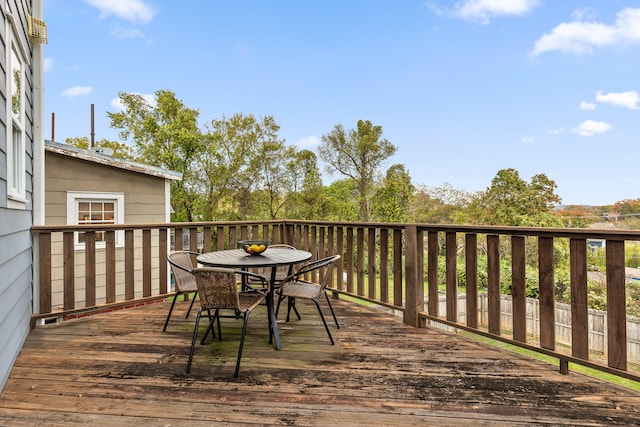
{"points": [[48, 64], [557, 131], [584, 14], [121, 33], [484, 10], [77, 91], [529, 139], [583, 37], [591, 127], [150, 98], [130, 10], [588, 106], [629, 99], [308, 142]]}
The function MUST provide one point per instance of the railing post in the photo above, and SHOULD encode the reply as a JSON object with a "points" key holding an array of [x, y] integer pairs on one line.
{"points": [[44, 242], [414, 286]]}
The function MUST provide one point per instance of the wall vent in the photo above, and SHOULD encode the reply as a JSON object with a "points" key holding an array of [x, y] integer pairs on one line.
{"points": [[37, 31]]}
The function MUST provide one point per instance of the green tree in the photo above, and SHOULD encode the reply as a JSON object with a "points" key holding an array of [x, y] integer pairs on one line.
{"points": [[243, 169], [166, 134], [120, 150], [512, 201], [440, 205], [357, 154], [391, 200], [307, 200], [341, 201]]}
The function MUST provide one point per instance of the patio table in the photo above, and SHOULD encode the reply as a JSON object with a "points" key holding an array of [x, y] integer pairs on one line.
{"points": [[272, 257]]}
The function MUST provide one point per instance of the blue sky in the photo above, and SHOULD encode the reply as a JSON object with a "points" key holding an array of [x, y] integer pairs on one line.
{"points": [[462, 88]]}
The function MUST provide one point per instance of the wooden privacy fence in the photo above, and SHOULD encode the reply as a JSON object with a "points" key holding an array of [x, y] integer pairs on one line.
{"points": [[597, 323], [385, 264]]}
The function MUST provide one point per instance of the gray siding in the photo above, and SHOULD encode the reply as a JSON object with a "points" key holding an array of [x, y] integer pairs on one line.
{"points": [[15, 224]]}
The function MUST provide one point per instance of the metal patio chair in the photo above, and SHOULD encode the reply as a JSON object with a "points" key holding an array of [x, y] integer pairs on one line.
{"points": [[218, 290], [296, 287], [182, 264]]}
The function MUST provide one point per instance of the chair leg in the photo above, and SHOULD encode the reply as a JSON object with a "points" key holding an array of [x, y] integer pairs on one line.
{"points": [[212, 321], [290, 303], [193, 340], [219, 328], [193, 300], [166, 322], [326, 327], [244, 331], [295, 310], [332, 312], [280, 298]]}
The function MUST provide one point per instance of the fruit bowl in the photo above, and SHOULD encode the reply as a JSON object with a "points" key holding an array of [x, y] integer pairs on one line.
{"points": [[254, 247]]}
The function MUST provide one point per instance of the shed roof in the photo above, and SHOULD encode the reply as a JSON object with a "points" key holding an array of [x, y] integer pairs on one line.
{"points": [[99, 157]]}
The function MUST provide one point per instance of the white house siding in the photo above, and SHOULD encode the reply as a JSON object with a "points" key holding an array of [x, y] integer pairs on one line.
{"points": [[15, 220]]}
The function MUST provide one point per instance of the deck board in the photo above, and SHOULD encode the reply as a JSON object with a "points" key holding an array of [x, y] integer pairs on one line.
{"points": [[120, 368]]}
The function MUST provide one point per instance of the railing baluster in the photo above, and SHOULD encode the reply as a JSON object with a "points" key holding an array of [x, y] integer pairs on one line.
{"points": [[371, 262], [146, 262], [340, 251], [579, 311], [110, 264], [493, 282], [129, 263], [518, 288], [68, 270], [398, 268], [616, 305], [162, 258], [471, 275], [451, 275], [349, 258], [546, 288], [193, 239], [384, 264], [432, 272], [89, 268], [360, 260]]}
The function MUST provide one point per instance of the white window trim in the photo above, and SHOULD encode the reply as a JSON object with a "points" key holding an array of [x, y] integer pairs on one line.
{"points": [[16, 192], [72, 213]]}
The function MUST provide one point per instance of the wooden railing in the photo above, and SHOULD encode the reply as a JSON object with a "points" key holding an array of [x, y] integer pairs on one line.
{"points": [[385, 264]]}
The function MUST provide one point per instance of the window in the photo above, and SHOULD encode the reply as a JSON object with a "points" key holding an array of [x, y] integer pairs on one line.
{"points": [[95, 208], [16, 129]]}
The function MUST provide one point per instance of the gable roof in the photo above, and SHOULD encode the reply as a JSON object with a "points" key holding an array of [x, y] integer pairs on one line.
{"points": [[107, 160]]}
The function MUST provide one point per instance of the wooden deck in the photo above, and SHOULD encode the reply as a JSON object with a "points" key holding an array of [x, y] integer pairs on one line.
{"points": [[119, 368]]}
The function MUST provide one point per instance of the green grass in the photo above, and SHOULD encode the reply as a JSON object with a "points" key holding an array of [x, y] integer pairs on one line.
{"points": [[594, 373]]}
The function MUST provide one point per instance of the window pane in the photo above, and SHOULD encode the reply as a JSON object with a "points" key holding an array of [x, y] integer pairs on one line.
{"points": [[16, 85], [17, 153]]}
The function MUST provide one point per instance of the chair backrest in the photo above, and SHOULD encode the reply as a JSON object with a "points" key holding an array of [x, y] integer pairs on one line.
{"points": [[182, 264], [281, 271], [322, 267], [217, 288]]}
